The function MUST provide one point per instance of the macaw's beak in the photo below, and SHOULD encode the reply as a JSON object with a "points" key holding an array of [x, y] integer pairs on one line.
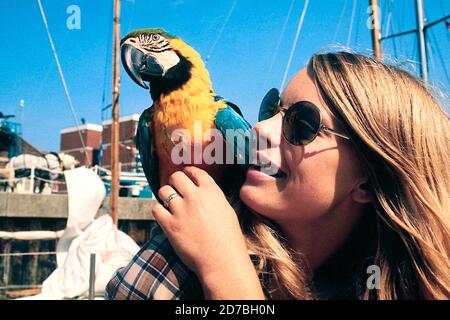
{"points": [[140, 67]]}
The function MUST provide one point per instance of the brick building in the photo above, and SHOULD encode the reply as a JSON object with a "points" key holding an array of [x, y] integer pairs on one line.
{"points": [[128, 154], [71, 143], [98, 137]]}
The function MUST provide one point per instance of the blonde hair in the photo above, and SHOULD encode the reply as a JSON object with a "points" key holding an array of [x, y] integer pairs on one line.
{"points": [[402, 136]]}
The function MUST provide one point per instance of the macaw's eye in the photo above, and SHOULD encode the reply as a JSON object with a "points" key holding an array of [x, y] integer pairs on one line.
{"points": [[155, 37]]}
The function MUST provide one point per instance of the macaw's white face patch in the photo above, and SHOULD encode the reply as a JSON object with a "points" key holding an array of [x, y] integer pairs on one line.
{"points": [[166, 59], [158, 47]]}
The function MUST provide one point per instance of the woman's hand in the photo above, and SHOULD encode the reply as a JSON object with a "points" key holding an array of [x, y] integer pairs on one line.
{"points": [[204, 231]]}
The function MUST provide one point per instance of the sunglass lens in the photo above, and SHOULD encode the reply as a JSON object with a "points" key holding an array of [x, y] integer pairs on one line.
{"points": [[269, 105], [301, 123]]}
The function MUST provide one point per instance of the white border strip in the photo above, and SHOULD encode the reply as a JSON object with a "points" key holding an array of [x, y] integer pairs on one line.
{"points": [[134, 117], [88, 126]]}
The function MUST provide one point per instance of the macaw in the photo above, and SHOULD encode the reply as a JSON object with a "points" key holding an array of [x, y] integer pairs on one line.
{"points": [[182, 94]]}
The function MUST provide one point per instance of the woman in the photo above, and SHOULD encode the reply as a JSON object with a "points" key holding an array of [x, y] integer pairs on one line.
{"points": [[366, 187]]}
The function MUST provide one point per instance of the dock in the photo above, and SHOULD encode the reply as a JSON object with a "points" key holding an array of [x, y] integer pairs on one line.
{"points": [[22, 273]]}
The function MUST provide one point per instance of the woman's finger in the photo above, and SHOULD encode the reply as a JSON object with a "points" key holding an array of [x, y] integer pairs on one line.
{"points": [[171, 198], [197, 175], [162, 216], [182, 183]]}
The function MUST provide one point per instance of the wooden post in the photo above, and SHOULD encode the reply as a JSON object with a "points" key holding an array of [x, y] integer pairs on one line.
{"points": [[376, 28], [115, 117]]}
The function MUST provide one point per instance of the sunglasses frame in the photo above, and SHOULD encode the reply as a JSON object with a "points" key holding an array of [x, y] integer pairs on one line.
{"points": [[277, 106]]}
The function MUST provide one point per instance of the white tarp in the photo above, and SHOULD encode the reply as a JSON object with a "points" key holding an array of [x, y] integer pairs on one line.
{"points": [[84, 235]]}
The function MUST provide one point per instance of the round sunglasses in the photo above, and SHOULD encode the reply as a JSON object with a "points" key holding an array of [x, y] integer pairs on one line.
{"points": [[302, 121]]}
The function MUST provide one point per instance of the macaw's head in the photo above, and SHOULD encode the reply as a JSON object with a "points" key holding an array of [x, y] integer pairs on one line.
{"points": [[164, 60]]}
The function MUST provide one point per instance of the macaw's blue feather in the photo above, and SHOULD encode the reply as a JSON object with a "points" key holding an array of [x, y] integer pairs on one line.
{"points": [[228, 121], [147, 152], [236, 132]]}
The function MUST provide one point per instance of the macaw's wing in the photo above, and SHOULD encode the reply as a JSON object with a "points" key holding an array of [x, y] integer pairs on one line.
{"points": [[147, 152], [237, 132]]}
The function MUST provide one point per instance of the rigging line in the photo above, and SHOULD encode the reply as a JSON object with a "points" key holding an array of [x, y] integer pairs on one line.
{"points": [[413, 58], [107, 62], [382, 16], [275, 53], [359, 22], [43, 80], [66, 90], [352, 20], [432, 65], [341, 16], [400, 25], [230, 12], [388, 23], [294, 44], [394, 43], [439, 54], [444, 14]]}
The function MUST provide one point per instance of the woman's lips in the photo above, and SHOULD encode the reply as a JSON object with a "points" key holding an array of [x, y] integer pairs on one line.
{"points": [[255, 173], [265, 170], [268, 167]]}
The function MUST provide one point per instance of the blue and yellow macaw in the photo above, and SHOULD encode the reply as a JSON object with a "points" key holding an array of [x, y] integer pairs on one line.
{"points": [[182, 94]]}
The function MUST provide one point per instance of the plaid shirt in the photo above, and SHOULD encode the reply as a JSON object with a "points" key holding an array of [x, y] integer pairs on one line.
{"points": [[156, 273]]}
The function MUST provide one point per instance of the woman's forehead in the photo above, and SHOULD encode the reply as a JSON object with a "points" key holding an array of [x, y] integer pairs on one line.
{"points": [[302, 88]]}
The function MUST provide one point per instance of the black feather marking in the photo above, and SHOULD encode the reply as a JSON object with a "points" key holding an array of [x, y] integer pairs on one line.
{"points": [[174, 79]]}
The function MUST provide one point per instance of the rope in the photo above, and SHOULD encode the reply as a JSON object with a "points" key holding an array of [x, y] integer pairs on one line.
{"points": [[340, 21], [439, 54], [388, 23], [283, 29], [21, 254], [66, 90], [208, 56], [443, 11], [359, 21], [394, 43], [352, 20], [294, 45], [432, 64]]}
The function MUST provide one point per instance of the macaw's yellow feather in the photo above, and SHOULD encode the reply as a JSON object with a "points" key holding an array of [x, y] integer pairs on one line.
{"points": [[194, 101]]}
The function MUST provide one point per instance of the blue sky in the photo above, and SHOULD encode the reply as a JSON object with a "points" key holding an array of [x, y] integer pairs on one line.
{"points": [[239, 64]]}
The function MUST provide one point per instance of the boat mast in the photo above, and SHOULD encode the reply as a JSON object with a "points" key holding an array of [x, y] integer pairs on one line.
{"points": [[375, 28], [421, 42], [115, 117], [420, 31]]}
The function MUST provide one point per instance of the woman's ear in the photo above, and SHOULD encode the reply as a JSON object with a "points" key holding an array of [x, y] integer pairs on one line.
{"points": [[362, 193]]}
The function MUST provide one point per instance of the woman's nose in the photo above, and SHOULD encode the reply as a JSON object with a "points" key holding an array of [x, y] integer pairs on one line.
{"points": [[268, 132]]}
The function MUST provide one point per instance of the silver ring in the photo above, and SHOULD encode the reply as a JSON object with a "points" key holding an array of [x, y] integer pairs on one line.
{"points": [[169, 198]]}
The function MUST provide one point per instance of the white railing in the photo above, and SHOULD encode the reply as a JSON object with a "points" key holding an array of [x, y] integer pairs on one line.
{"points": [[27, 184]]}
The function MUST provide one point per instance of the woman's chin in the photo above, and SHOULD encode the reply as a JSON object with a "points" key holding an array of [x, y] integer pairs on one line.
{"points": [[249, 195], [255, 200]]}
